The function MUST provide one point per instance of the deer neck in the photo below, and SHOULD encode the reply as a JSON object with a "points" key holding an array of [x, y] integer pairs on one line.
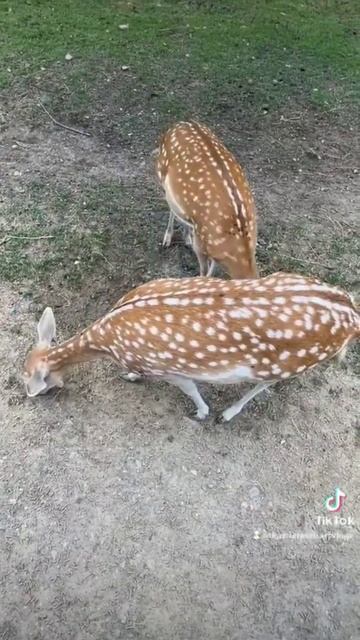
{"points": [[242, 272], [241, 268], [80, 348]]}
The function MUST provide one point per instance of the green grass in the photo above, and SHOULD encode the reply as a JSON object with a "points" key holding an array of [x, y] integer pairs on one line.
{"points": [[76, 254], [209, 53], [296, 248], [56, 236]]}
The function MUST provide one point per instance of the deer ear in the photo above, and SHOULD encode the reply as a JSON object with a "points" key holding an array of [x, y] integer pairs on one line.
{"points": [[47, 327]]}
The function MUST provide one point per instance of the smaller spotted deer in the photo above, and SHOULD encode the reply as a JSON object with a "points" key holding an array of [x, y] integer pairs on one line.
{"points": [[207, 191], [207, 330]]}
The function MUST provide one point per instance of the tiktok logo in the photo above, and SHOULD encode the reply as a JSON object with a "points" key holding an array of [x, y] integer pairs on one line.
{"points": [[335, 503]]}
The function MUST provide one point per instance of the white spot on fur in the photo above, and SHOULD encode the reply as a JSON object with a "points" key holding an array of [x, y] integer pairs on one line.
{"points": [[240, 313], [301, 369], [284, 355]]}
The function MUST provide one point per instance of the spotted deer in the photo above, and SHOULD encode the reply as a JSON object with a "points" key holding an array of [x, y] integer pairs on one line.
{"points": [[207, 191], [207, 330]]}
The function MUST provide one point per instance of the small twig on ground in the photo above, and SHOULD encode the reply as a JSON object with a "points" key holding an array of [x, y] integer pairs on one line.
{"points": [[60, 124], [106, 260], [312, 173], [320, 264], [21, 144], [7, 238], [278, 142], [296, 427], [337, 223], [283, 119]]}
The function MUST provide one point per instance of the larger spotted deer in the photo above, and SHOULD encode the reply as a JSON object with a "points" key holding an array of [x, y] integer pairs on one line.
{"points": [[207, 191], [207, 330]]}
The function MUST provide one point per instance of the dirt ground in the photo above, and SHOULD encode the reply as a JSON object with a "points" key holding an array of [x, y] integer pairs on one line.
{"points": [[122, 517]]}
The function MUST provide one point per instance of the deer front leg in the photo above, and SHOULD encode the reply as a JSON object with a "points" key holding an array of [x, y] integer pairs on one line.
{"points": [[169, 231], [130, 376], [190, 389]]}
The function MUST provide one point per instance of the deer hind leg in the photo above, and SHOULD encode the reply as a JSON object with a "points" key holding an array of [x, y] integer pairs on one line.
{"points": [[232, 411], [201, 256], [188, 236], [169, 231], [210, 267], [190, 389]]}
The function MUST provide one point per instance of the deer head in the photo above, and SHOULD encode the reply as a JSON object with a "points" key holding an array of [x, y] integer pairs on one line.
{"points": [[37, 376]]}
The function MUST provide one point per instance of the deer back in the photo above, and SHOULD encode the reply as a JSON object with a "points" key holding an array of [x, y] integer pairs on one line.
{"points": [[207, 187]]}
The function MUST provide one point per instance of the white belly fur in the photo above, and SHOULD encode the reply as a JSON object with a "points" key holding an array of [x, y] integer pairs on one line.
{"points": [[173, 204], [241, 373]]}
